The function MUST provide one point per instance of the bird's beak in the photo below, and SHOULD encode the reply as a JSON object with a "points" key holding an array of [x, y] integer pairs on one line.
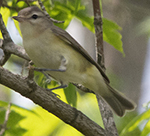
{"points": [[19, 19]]}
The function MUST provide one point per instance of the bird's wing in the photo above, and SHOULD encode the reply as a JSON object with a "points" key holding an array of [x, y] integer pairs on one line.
{"points": [[74, 44]]}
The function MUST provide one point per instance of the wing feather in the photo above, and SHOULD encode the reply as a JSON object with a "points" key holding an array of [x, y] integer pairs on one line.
{"points": [[74, 44]]}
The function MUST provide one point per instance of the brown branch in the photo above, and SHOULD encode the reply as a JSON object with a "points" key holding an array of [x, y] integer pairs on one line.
{"points": [[48, 101], [105, 110], [4, 126], [7, 39], [14, 49], [8, 46], [98, 33]]}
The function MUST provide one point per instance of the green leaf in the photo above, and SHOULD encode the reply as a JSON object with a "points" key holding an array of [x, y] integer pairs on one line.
{"points": [[71, 95], [135, 122], [146, 129], [14, 118], [111, 34]]}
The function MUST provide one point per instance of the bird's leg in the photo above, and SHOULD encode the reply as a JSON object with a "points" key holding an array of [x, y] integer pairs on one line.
{"points": [[47, 69], [62, 67], [58, 87], [48, 78]]}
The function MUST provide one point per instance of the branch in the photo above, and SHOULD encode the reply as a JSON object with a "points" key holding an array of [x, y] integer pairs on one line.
{"points": [[14, 49], [8, 46], [48, 101], [98, 33], [4, 126], [7, 39], [105, 110]]}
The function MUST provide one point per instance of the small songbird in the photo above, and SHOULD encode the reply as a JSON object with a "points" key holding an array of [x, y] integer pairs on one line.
{"points": [[52, 48]]}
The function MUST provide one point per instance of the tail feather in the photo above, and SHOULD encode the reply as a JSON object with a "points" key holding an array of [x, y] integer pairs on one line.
{"points": [[115, 105], [119, 103]]}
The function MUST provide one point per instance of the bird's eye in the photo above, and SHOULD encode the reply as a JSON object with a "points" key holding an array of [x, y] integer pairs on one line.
{"points": [[34, 16]]}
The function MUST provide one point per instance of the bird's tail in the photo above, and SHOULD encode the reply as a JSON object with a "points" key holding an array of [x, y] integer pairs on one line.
{"points": [[119, 103]]}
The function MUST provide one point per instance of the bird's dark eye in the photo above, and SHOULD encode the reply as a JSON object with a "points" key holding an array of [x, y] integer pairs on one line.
{"points": [[34, 16]]}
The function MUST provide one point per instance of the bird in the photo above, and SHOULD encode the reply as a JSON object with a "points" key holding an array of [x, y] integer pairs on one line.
{"points": [[64, 59]]}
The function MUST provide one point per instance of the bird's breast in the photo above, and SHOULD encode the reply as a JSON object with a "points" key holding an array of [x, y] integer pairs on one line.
{"points": [[48, 51]]}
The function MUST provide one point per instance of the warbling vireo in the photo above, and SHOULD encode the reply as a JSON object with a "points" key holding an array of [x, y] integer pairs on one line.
{"points": [[50, 47]]}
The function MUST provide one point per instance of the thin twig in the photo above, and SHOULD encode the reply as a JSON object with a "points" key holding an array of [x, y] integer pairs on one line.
{"points": [[106, 113], [4, 126], [45, 12]]}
